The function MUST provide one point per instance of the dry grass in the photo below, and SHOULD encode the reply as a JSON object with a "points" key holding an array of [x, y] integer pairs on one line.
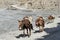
{"points": [[44, 5]]}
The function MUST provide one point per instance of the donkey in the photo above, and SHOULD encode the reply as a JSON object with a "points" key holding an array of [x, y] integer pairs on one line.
{"points": [[50, 19], [40, 23], [25, 24]]}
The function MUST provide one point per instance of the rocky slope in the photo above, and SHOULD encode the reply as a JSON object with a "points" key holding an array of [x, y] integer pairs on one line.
{"points": [[34, 4]]}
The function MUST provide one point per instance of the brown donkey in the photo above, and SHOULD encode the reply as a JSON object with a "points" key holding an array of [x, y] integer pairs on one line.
{"points": [[50, 19], [40, 23], [25, 24]]}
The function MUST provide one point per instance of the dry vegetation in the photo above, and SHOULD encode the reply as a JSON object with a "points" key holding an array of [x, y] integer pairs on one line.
{"points": [[34, 4]]}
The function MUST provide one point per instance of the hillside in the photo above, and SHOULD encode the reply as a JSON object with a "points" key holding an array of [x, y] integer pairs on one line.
{"points": [[31, 4]]}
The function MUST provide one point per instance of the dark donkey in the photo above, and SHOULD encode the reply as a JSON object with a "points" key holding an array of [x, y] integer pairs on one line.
{"points": [[25, 24], [40, 23]]}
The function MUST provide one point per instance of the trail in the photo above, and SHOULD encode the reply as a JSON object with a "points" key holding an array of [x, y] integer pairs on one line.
{"points": [[9, 26]]}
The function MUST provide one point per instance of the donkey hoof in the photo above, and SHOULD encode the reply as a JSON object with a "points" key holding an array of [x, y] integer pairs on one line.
{"points": [[41, 30], [29, 35]]}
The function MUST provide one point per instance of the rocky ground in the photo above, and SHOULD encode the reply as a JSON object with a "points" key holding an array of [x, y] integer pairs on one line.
{"points": [[9, 25]]}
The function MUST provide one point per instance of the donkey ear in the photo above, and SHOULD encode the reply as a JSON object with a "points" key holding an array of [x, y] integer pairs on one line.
{"points": [[18, 20]]}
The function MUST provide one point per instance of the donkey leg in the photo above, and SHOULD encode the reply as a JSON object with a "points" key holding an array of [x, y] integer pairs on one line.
{"points": [[29, 33], [52, 20], [41, 28], [31, 26], [24, 31]]}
